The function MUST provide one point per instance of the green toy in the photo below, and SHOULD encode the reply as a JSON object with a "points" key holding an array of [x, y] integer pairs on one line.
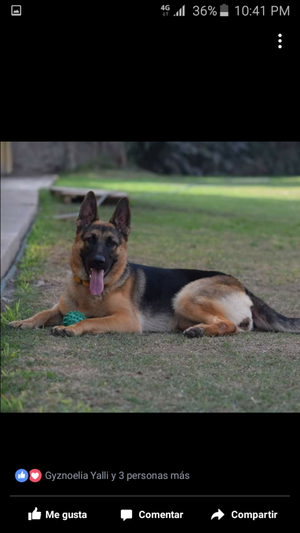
{"points": [[72, 318]]}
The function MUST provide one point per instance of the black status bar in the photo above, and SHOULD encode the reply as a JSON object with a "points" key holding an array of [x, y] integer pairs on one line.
{"points": [[210, 11]]}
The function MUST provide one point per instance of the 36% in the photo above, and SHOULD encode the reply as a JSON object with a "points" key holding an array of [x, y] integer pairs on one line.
{"points": [[204, 10]]}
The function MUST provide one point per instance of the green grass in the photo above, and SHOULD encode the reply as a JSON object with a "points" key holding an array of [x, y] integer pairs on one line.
{"points": [[246, 227]]}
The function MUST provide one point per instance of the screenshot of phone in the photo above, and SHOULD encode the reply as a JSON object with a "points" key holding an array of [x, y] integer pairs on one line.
{"points": [[150, 289]]}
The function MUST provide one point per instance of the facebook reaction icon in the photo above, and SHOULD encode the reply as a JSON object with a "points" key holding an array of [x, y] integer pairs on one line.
{"points": [[21, 475], [35, 475]]}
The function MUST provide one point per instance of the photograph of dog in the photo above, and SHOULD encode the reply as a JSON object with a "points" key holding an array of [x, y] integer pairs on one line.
{"points": [[116, 295]]}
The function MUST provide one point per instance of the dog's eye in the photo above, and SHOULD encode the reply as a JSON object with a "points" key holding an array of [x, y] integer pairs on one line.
{"points": [[111, 242], [90, 239]]}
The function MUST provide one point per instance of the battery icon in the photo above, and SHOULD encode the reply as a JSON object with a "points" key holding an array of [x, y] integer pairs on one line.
{"points": [[224, 10]]}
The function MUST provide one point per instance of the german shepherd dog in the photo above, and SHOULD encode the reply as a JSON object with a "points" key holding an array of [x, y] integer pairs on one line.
{"points": [[118, 296]]}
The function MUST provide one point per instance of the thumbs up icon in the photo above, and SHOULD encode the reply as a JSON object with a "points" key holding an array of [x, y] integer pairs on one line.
{"points": [[35, 515], [21, 475]]}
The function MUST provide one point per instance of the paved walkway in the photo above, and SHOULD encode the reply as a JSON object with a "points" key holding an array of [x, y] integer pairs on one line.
{"points": [[19, 201]]}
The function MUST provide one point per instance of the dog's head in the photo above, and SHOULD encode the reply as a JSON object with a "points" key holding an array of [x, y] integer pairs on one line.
{"points": [[99, 253]]}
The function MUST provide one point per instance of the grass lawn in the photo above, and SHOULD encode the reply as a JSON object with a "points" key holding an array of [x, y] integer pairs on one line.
{"points": [[249, 228]]}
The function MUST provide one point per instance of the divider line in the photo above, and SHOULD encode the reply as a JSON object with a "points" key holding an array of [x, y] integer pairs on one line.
{"points": [[150, 495]]}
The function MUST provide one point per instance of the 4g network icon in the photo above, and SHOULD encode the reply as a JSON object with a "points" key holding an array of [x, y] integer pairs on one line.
{"points": [[22, 475], [166, 11]]}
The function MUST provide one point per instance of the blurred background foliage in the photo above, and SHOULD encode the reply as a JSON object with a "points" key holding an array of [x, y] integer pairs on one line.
{"points": [[236, 158]]}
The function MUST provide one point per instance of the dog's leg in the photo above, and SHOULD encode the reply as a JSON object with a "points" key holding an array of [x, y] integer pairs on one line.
{"points": [[209, 321], [218, 326], [216, 305], [118, 322], [50, 317]]}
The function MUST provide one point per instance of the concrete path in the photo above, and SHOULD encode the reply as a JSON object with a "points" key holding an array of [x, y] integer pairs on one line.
{"points": [[19, 202]]}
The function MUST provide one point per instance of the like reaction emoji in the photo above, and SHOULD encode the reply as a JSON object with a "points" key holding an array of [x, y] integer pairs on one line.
{"points": [[21, 475], [35, 475]]}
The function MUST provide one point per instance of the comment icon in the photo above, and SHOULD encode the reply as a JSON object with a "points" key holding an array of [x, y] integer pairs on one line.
{"points": [[126, 514]]}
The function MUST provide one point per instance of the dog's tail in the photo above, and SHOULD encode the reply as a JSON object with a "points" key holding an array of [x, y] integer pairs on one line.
{"points": [[267, 319]]}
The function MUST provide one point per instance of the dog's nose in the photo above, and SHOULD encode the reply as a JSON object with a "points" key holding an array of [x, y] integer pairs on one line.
{"points": [[98, 261]]}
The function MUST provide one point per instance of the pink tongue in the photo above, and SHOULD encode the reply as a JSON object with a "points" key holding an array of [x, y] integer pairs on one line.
{"points": [[96, 282]]}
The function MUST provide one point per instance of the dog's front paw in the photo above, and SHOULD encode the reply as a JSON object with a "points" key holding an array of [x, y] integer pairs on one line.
{"points": [[22, 324], [64, 331]]}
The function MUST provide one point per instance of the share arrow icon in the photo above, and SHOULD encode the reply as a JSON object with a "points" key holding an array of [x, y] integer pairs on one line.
{"points": [[219, 514]]}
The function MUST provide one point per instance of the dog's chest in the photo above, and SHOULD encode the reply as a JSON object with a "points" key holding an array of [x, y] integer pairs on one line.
{"points": [[81, 300], [95, 308]]}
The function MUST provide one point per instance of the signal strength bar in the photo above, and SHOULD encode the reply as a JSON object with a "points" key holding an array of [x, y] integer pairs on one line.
{"points": [[180, 12]]}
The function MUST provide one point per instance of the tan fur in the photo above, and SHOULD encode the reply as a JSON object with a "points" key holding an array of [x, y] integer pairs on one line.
{"points": [[116, 304], [208, 302]]}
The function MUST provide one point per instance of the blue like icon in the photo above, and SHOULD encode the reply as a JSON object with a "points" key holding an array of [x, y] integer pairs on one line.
{"points": [[21, 475]]}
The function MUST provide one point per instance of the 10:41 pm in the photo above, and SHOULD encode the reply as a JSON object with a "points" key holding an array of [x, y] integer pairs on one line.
{"points": [[246, 11]]}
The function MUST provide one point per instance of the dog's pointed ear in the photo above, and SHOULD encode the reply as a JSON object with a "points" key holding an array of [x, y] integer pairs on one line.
{"points": [[88, 212], [121, 217]]}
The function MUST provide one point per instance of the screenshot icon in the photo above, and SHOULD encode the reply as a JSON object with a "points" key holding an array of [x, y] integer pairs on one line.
{"points": [[16, 11]]}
